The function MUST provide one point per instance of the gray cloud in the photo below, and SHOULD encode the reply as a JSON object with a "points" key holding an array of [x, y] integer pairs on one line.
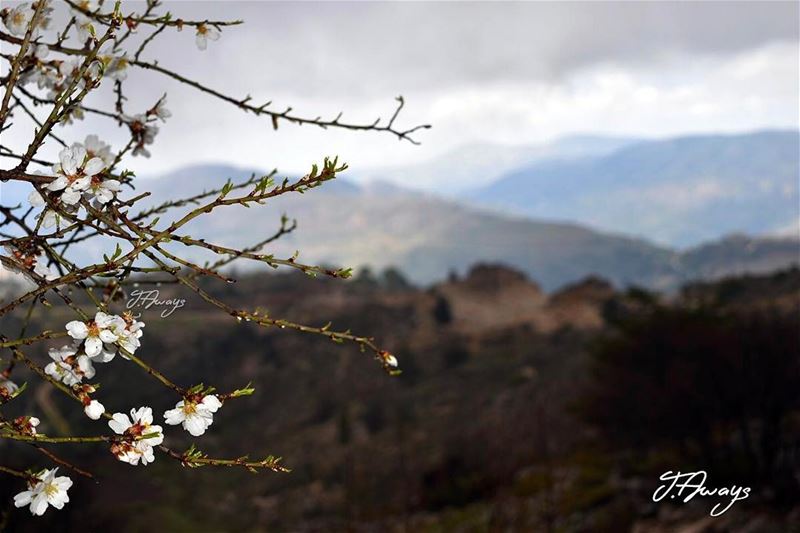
{"points": [[508, 73], [358, 46]]}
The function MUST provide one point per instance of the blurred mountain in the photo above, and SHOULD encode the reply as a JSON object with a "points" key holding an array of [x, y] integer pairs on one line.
{"points": [[479, 164], [427, 237], [677, 192], [739, 254], [490, 426]]}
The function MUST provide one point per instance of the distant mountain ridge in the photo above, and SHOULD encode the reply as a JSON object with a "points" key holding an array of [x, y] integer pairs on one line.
{"points": [[594, 183], [479, 164], [426, 237], [678, 192]]}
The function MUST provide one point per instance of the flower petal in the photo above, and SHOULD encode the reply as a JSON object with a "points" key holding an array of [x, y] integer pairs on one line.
{"points": [[195, 425], [93, 346], [173, 417], [212, 403], [36, 199], [23, 498], [77, 329], [57, 184], [94, 166], [39, 504], [119, 423]]}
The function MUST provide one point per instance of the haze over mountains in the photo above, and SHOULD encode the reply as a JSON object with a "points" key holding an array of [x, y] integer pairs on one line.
{"points": [[614, 207], [624, 194], [463, 170]]}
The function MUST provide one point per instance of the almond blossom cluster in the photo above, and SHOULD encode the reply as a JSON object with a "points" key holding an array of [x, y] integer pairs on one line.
{"points": [[143, 128], [68, 366], [79, 174], [59, 71], [54, 75], [94, 341], [101, 336], [18, 18], [30, 260], [83, 24], [24, 425], [140, 436]]}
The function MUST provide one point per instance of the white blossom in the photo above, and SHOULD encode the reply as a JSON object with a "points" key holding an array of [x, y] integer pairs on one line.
{"points": [[143, 132], [128, 331], [45, 491], [39, 52], [96, 148], [45, 76], [74, 174], [36, 199], [117, 67], [43, 270], [48, 216], [83, 27], [27, 425], [139, 424], [103, 191], [161, 111], [31, 262], [94, 409], [7, 385], [68, 367], [23, 425], [44, 17], [37, 72], [204, 33], [96, 333], [106, 355], [68, 68], [194, 416], [87, 5], [100, 190], [105, 333], [17, 19], [75, 113]]}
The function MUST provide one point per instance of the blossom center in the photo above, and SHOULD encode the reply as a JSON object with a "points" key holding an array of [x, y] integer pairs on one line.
{"points": [[136, 430], [51, 489]]}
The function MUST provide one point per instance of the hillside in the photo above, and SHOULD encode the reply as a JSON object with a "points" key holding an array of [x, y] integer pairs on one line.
{"points": [[678, 192], [480, 431]]}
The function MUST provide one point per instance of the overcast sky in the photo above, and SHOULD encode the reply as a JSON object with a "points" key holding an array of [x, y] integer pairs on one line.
{"points": [[514, 73]]}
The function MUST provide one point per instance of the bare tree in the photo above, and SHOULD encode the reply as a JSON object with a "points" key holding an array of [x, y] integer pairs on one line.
{"points": [[51, 74]]}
